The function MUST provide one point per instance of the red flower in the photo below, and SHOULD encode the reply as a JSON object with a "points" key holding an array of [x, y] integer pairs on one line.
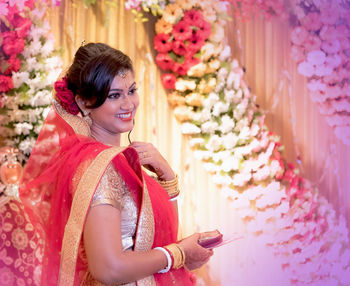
{"points": [[5, 83], [204, 30], [23, 27], [168, 80], [14, 64], [183, 68], [192, 16], [30, 4], [179, 48], [66, 96], [182, 31], [161, 43], [11, 44], [195, 43], [164, 61]]}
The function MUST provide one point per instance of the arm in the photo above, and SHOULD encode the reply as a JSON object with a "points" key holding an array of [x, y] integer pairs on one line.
{"points": [[106, 260]]}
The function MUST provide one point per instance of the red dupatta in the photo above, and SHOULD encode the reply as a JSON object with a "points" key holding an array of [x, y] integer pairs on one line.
{"points": [[57, 187]]}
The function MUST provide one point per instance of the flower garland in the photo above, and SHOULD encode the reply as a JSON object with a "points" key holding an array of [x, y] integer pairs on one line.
{"points": [[228, 132], [321, 48], [31, 66]]}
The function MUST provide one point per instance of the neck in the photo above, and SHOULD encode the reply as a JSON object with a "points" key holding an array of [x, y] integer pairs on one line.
{"points": [[104, 136]]}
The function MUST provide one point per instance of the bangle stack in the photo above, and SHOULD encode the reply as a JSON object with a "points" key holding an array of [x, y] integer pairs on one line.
{"points": [[171, 187], [175, 257]]}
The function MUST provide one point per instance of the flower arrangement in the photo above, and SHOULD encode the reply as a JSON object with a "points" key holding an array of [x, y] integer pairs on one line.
{"points": [[30, 67], [320, 47], [228, 133]]}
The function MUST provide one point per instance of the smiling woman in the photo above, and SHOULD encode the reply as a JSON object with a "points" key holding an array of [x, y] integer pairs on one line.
{"points": [[104, 220]]}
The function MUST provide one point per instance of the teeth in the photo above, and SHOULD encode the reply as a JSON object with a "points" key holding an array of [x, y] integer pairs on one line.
{"points": [[124, 115]]}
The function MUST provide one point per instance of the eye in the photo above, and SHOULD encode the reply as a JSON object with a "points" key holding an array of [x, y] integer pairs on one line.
{"points": [[115, 95], [133, 91]]}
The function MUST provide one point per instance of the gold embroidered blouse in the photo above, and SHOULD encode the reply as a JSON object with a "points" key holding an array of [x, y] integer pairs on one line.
{"points": [[112, 190]]}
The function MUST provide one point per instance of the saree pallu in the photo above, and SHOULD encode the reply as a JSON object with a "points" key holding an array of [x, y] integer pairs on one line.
{"points": [[57, 187]]}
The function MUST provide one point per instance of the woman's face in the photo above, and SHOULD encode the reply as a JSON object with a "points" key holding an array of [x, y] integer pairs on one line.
{"points": [[116, 114]]}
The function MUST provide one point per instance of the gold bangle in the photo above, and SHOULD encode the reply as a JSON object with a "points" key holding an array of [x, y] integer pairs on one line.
{"points": [[177, 254], [170, 186]]}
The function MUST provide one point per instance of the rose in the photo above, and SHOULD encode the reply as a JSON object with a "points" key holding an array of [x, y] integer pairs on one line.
{"points": [[66, 96], [162, 43], [193, 17], [5, 83], [195, 42], [168, 80], [179, 48]]}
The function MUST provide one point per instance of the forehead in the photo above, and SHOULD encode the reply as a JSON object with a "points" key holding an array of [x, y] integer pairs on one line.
{"points": [[123, 80]]}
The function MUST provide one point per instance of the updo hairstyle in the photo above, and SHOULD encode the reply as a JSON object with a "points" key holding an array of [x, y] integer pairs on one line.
{"points": [[93, 70]]}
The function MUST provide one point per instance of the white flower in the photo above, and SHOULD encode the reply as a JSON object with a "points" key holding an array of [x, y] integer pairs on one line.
{"points": [[262, 173], [240, 179], [182, 85], [189, 128], [315, 85], [230, 140], [207, 51], [221, 155], [41, 98], [27, 145], [23, 128], [196, 141], [220, 107], [203, 115], [210, 167], [225, 54], [323, 70], [19, 78], [230, 163], [227, 124], [209, 126], [217, 34], [197, 70], [233, 80], [47, 48], [222, 74], [244, 134], [210, 100], [214, 143]]}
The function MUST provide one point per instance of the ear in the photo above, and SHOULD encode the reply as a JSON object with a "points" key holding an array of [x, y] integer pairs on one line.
{"points": [[80, 102]]}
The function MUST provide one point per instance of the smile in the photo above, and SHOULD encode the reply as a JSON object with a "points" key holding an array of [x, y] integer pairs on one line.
{"points": [[125, 116]]}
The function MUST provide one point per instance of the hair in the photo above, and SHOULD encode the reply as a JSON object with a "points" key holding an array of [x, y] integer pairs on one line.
{"points": [[94, 68]]}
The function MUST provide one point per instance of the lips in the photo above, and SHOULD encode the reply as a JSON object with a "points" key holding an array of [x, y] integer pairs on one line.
{"points": [[125, 116]]}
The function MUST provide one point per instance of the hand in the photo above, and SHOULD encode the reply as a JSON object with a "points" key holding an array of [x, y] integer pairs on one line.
{"points": [[152, 160], [196, 255]]}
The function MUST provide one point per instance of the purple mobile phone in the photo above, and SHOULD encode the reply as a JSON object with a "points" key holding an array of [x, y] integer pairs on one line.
{"points": [[210, 242]]}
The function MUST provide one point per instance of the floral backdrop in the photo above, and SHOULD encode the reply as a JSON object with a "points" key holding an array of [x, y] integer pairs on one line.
{"points": [[210, 96]]}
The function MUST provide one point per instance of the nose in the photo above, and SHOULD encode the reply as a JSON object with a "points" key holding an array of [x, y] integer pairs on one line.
{"points": [[127, 103]]}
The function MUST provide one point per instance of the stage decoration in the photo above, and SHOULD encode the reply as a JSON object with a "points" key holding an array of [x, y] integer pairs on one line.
{"points": [[228, 133], [28, 70], [321, 48]]}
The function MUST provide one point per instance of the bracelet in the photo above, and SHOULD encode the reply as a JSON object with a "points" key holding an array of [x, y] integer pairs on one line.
{"points": [[168, 257], [170, 186], [178, 255]]}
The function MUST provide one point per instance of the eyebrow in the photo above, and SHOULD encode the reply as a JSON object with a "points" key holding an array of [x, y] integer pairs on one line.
{"points": [[118, 89]]}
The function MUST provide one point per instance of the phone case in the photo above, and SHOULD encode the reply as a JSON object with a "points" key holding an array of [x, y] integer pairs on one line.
{"points": [[210, 242]]}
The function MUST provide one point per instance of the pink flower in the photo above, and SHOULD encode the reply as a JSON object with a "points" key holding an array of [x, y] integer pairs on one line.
{"points": [[183, 68], [329, 15], [193, 16], [297, 54], [179, 48], [312, 43], [182, 31], [162, 43], [14, 64], [11, 44], [331, 47], [306, 69], [3, 8], [333, 60], [328, 33], [30, 4], [316, 57], [345, 43], [299, 35], [164, 61], [168, 80], [317, 96], [311, 21], [5, 83]]}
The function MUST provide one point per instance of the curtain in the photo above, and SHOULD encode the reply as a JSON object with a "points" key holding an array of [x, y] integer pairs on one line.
{"points": [[263, 48]]}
